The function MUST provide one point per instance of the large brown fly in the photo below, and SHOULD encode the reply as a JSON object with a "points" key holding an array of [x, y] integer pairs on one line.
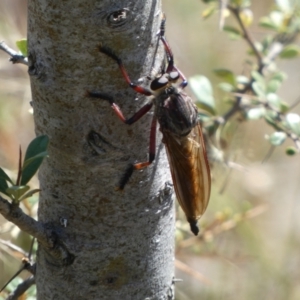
{"points": [[182, 134]]}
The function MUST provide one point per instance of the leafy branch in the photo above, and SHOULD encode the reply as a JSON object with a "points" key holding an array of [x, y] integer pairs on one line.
{"points": [[254, 96]]}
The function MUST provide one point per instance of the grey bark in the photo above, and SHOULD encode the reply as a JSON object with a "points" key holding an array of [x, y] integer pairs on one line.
{"points": [[119, 245]]}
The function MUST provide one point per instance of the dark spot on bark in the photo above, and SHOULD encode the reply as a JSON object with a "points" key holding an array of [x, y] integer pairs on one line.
{"points": [[93, 282], [111, 280], [98, 144], [36, 67]]}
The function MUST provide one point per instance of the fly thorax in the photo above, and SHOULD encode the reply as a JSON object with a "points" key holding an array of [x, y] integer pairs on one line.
{"points": [[175, 111]]}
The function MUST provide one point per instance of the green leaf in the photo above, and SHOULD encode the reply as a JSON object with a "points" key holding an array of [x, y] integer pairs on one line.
{"points": [[226, 87], [208, 11], [4, 176], [280, 76], [259, 88], [271, 118], [290, 51], [16, 191], [234, 33], [30, 160], [241, 79], [284, 5], [273, 86], [256, 113], [291, 151], [226, 75], [29, 194], [3, 186], [267, 23], [22, 46], [293, 121], [277, 138], [202, 88], [34, 156], [273, 100]]}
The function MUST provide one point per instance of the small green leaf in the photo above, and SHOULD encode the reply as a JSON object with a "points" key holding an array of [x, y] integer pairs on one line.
{"points": [[290, 51], [16, 191], [34, 156], [256, 113], [273, 100], [271, 118], [226, 87], [29, 194], [208, 11], [267, 23], [293, 121], [202, 88], [242, 79], [277, 138], [226, 75], [259, 88], [234, 33], [273, 86], [280, 76], [22, 46], [284, 5], [291, 151], [277, 17]]}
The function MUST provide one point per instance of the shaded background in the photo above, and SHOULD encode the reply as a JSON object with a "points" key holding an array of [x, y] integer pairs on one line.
{"points": [[253, 256]]}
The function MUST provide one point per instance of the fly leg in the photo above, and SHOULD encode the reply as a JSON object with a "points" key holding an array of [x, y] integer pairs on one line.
{"points": [[140, 113], [171, 67]]}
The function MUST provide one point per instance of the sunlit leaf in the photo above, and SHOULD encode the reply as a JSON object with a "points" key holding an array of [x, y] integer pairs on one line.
{"points": [[22, 46], [16, 191], [234, 32], [246, 16], [29, 194], [226, 87], [267, 23], [293, 121], [208, 11], [284, 5], [202, 88], [226, 75], [259, 89], [277, 138], [290, 51], [273, 100], [256, 113], [273, 86]]}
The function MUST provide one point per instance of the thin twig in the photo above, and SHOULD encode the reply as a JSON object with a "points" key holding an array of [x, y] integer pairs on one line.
{"points": [[246, 34], [16, 58], [15, 214], [46, 235], [13, 247], [190, 271], [21, 288]]}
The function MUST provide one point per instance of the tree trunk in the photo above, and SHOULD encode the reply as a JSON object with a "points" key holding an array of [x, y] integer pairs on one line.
{"points": [[116, 245]]}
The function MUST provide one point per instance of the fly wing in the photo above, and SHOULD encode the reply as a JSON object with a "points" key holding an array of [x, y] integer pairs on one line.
{"points": [[190, 171]]}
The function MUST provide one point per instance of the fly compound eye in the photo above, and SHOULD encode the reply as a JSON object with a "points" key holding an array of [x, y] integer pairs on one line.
{"points": [[173, 76], [160, 82]]}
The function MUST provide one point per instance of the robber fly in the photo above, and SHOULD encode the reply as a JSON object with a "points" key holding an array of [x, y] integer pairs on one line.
{"points": [[182, 134]]}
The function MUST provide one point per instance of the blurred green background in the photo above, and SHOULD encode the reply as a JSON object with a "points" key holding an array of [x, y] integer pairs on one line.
{"points": [[252, 255]]}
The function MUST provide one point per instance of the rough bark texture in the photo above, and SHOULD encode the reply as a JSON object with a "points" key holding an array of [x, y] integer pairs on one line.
{"points": [[121, 243]]}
